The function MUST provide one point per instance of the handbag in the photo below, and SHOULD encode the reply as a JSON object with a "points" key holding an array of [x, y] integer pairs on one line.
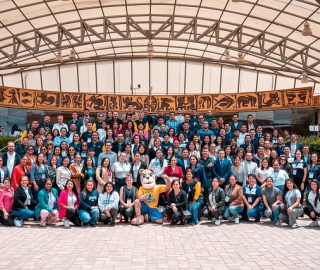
{"points": [[186, 214]]}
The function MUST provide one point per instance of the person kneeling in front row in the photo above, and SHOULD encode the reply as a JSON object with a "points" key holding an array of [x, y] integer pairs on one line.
{"points": [[47, 208], [233, 199], [69, 203], [215, 202], [177, 201], [108, 204], [253, 204], [128, 194], [88, 210], [271, 199], [312, 209], [23, 202], [290, 207]]}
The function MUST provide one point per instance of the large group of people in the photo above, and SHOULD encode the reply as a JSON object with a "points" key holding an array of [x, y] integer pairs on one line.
{"points": [[89, 170]]}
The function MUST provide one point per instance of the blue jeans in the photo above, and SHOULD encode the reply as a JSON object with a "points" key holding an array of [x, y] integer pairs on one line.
{"points": [[254, 212], [22, 214], [35, 193], [194, 210], [275, 213], [89, 216], [232, 211]]}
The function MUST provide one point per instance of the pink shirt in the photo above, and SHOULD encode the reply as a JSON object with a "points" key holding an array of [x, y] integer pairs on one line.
{"points": [[6, 199]]}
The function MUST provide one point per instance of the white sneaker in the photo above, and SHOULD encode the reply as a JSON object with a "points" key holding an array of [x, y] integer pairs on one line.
{"points": [[236, 220], [213, 220], [17, 223], [314, 224], [44, 224], [294, 226], [118, 216], [277, 223], [231, 219], [217, 222], [66, 223]]}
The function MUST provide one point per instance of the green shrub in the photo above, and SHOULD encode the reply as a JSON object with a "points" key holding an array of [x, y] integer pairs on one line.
{"points": [[313, 142]]}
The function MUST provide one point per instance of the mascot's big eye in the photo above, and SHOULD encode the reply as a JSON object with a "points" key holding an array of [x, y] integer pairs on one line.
{"points": [[150, 175], [143, 176]]}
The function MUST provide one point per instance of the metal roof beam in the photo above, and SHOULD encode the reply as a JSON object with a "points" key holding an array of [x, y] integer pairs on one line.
{"points": [[164, 26], [85, 27], [192, 24], [213, 28]]}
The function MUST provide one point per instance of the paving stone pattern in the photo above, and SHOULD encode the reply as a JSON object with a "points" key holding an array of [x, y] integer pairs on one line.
{"points": [[150, 246]]}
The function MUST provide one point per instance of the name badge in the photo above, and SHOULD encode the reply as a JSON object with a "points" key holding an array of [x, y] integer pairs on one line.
{"points": [[249, 199], [290, 160], [311, 175], [43, 176], [300, 166], [89, 140], [294, 172], [227, 199], [129, 201]]}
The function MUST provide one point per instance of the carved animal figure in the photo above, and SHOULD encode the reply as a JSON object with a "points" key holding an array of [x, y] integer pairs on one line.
{"points": [[203, 101], [26, 94], [26, 101], [13, 99], [225, 102], [273, 99], [77, 101], [186, 102], [296, 98], [137, 105], [96, 103], [245, 101], [113, 104], [45, 100], [66, 101], [165, 104]]}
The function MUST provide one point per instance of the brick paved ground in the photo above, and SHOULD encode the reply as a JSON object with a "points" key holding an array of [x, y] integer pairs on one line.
{"points": [[150, 246]]}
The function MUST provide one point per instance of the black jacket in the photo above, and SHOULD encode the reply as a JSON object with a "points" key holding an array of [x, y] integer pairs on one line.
{"points": [[180, 200], [142, 166], [219, 196], [16, 159], [116, 148], [20, 197]]}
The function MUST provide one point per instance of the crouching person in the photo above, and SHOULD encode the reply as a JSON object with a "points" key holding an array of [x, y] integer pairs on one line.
{"points": [[215, 202], [177, 201], [148, 198], [128, 194], [108, 204]]}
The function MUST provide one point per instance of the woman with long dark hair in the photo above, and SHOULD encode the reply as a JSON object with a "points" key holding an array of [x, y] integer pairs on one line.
{"points": [[69, 203], [312, 210], [109, 204], [6, 202], [88, 171], [76, 143], [38, 175], [20, 170], [314, 169], [63, 174], [103, 174], [128, 194], [290, 205], [88, 210]]}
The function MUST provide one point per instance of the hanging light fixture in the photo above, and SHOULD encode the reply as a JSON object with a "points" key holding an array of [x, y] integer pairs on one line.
{"points": [[59, 57], [304, 78], [72, 54], [306, 30], [240, 59], [150, 49], [227, 55]]}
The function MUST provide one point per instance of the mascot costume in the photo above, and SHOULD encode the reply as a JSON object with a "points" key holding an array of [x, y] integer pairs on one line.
{"points": [[148, 198]]}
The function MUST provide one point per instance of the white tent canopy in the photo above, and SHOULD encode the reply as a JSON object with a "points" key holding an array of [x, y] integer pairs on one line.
{"points": [[190, 39]]}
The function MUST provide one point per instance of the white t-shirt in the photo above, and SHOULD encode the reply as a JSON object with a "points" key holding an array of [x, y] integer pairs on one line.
{"points": [[121, 170], [72, 200], [311, 199], [52, 200]]}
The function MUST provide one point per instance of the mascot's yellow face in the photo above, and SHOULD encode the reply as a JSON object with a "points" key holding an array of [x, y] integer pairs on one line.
{"points": [[146, 178]]}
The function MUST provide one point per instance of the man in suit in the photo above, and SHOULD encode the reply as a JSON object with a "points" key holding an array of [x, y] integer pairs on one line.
{"points": [[222, 169], [93, 157], [207, 163], [184, 160], [293, 144], [46, 124], [235, 124], [250, 166], [229, 133], [10, 158], [259, 132], [75, 121], [147, 118], [86, 116]]}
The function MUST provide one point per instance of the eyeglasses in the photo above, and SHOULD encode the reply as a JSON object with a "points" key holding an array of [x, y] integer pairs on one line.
{"points": [[282, 159], [71, 149], [43, 149], [30, 149], [49, 143], [84, 145]]}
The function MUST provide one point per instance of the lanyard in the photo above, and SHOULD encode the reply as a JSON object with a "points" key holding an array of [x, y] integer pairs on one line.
{"points": [[128, 193], [108, 198], [276, 175]]}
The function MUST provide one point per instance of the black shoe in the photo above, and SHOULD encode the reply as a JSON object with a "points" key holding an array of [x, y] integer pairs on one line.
{"points": [[244, 219], [105, 222], [113, 224], [172, 223], [93, 225], [85, 224], [257, 220], [182, 222], [126, 220]]}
